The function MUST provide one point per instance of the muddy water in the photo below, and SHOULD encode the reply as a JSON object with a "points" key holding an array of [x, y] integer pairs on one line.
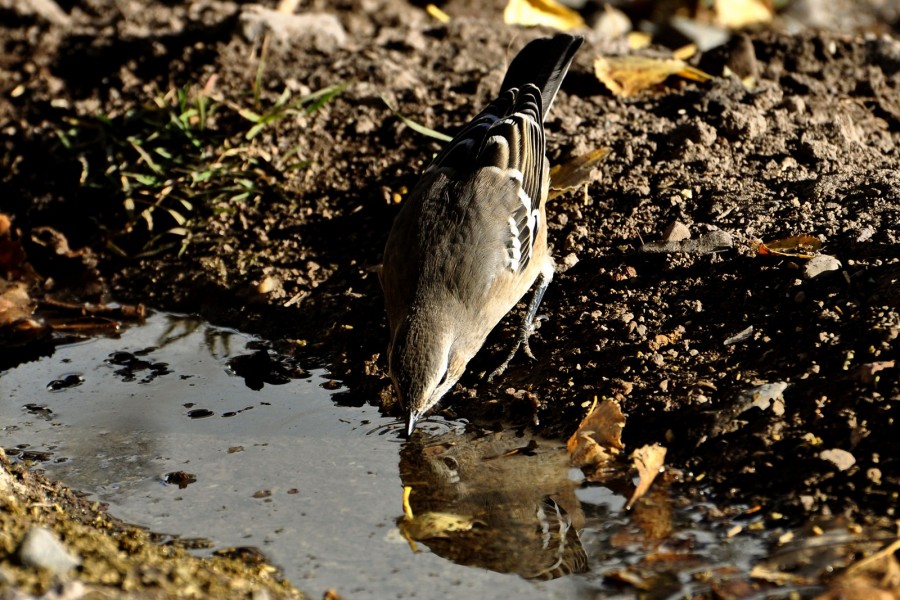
{"points": [[191, 430]]}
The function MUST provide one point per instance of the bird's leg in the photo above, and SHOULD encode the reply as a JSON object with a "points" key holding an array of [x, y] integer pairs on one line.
{"points": [[527, 327]]}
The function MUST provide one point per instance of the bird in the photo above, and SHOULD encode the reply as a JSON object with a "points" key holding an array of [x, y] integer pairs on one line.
{"points": [[470, 239]]}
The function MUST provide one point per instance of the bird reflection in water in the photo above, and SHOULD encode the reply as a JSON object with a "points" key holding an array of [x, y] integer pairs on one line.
{"points": [[497, 500]]}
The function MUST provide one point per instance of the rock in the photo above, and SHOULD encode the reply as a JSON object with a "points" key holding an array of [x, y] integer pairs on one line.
{"points": [[705, 36], [766, 396], [611, 22], [676, 232], [569, 261], [321, 31], [842, 459], [820, 264], [47, 9], [41, 549]]}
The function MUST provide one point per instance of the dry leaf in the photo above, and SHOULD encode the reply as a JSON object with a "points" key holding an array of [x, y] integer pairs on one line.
{"points": [[598, 439], [796, 246], [576, 172], [541, 12], [736, 14], [15, 303], [648, 460], [627, 76]]}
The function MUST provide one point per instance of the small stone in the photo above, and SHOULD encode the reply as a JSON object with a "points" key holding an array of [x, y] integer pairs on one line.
{"points": [[874, 475], [865, 234], [41, 549], [612, 23], [842, 459], [267, 285], [820, 264], [676, 232], [569, 261], [766, 396]]}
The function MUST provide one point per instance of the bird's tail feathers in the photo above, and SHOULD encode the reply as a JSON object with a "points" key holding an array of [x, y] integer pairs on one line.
{"points": [[535, 64]]}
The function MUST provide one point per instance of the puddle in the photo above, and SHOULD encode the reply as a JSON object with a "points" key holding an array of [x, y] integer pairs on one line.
{"points": [[195, 431]]}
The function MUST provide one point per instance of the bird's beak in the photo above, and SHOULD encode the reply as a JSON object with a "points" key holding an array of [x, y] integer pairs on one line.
{"points": [[411, 420]]}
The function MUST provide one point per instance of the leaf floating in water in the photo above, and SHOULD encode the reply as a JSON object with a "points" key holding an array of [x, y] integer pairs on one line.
{"points": [[548, 13], [630, 75], [598, 439], [648, 460], [796, 246]]}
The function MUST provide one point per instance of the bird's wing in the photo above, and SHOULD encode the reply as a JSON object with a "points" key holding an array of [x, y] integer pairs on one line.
{"points": [[503, 147]]}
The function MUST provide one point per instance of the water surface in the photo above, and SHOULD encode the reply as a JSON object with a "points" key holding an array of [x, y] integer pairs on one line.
{"points": [[268, 459]]}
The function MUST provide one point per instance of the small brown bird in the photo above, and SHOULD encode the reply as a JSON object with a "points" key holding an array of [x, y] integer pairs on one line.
{"points": [[471, 239]]}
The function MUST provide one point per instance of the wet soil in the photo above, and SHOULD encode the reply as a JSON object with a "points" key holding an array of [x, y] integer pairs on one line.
{"points": [[682, 339]]}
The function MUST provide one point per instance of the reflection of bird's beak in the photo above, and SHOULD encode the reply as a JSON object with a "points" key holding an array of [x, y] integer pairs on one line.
{"points": [[411, 419]]}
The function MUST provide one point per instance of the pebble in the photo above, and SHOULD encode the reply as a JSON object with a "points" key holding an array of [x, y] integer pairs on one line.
{"points": [[820, 264], [41, 549], [676, 232], [842, 459], [569, 261], [765, 396]]}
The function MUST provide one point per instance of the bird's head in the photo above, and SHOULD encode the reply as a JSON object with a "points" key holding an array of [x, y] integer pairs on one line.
{"points": [[424, 363]]}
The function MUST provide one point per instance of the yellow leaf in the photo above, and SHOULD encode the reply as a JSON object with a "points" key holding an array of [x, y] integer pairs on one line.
{"points": [[629, 75], [736, 14], [542, 12]]}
